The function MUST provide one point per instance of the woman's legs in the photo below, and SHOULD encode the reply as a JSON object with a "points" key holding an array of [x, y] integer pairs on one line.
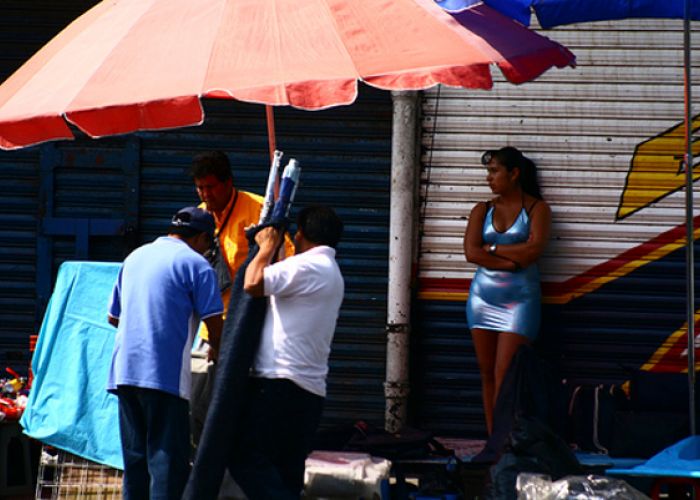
{"points": [[508, 345], [486, 347], [494, 352]]}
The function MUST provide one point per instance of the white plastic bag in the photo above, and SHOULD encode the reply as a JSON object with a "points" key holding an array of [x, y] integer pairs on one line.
{"points": [[344, 475], [540, 487]]}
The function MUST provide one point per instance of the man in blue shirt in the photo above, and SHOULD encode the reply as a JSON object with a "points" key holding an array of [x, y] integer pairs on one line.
{"points": [[162, 292]]}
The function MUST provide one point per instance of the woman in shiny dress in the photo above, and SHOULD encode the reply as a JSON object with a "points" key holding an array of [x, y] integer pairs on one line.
{"points": [[505, 237]]}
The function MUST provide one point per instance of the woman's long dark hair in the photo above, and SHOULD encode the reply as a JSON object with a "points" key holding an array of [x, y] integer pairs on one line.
{"points": [[510, 158]]}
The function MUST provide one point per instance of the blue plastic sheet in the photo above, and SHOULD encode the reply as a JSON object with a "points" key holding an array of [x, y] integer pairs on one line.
{"points": [[69, 406], [679, 460]]}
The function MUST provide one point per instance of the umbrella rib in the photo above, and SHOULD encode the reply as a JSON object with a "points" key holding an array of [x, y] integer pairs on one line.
{"points": [[341, 43], [205, 74], [96, 69], [278, 47], [80, 114]]}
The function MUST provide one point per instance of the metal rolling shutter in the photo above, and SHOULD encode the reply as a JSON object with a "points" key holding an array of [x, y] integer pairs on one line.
{"points": [[19, 176], [18, 202], [582, 127], [115, 188], [345, 158], [45, 19]]}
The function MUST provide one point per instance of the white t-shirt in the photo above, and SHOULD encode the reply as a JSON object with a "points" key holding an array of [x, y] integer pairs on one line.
{"points": [[305, 292]]}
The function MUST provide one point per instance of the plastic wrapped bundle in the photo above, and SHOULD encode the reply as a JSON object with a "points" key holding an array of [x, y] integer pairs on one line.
{"points": [[541, 487], [269, 202], [288, 188], [342, 474]]}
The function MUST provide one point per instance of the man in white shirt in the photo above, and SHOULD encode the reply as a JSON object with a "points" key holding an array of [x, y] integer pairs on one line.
{"points": [[288, 383]]}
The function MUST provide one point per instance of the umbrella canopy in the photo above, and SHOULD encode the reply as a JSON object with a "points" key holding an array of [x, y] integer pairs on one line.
{"points": [[131, 65]]}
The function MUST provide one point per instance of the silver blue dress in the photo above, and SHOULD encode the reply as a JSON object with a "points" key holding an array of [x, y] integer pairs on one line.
{"points": [[506, 301]]}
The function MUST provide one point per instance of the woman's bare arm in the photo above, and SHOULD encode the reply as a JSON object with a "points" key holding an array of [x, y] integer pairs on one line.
{"points": [[474, 248], [528, 252]]}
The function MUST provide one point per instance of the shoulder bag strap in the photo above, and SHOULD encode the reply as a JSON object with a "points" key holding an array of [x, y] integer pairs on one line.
{"points": [[228, 215]]}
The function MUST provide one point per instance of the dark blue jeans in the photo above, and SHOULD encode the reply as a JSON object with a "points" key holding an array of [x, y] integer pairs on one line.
{"points": [[279, 425], [155, 436]]}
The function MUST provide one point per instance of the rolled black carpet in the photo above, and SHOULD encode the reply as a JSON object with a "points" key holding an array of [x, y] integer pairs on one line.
{"points": [[239, 343]]}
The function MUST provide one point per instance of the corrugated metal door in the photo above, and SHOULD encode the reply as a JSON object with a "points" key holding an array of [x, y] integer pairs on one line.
{"points": [[88, 205], [97, 200], [345, 158], [607, 142], [18, 202], [20, 181]]}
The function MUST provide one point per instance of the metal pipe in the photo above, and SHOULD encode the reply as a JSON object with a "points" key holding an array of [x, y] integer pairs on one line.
{"points": [[689, 218], [271, 136], [402, 225]]}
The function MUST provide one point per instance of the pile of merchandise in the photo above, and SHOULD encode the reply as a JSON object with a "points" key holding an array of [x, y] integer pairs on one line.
{"points": [[14, 392]]}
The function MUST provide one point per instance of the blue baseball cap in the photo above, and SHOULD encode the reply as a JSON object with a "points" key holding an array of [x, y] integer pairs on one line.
{"points": [[196, 218]]}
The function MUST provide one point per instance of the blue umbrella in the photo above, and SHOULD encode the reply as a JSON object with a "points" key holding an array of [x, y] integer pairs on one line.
{"points": [[551, 13]]}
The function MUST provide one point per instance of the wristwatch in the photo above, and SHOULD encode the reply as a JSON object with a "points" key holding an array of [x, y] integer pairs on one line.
{"points": [[492, 248]]}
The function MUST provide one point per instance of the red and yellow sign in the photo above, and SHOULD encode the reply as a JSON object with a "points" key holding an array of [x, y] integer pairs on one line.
{"points": [[656, 170]]}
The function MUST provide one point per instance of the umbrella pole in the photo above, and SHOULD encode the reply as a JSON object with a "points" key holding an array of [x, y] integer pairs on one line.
{"points": [[271, 139], [690, 236]]}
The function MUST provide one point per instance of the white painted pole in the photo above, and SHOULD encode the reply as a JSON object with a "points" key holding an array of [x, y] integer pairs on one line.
{"points": [[402, 225]]}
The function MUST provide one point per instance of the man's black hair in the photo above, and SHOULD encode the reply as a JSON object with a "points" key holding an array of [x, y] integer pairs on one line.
{"points": [[320, 225], [214, 163]]}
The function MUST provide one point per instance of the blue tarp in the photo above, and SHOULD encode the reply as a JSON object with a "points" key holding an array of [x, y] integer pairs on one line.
{"points": [[679, 460], [68, 406]]}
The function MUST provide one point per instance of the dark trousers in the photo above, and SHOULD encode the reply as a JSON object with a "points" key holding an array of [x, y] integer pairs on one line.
{"points": [[155, 437], [278, 429]]}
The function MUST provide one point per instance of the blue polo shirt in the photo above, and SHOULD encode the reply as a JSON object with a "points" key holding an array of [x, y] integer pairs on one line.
{"points": [[163, 290]]}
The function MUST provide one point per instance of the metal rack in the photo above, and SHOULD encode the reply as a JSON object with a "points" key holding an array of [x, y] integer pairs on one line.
{"points": [[65, 476]]}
